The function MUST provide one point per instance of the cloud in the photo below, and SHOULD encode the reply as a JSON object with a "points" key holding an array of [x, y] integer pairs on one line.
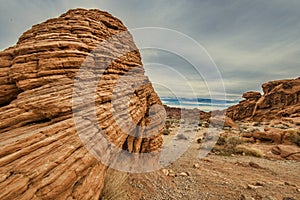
{"points": [[251, 41]]}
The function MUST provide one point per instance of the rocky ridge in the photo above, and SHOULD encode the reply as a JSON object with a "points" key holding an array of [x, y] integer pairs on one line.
{"points": [[41, 154], [281, 99]]}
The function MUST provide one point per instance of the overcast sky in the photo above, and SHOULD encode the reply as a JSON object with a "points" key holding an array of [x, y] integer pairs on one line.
{"points": [[251, 41]]}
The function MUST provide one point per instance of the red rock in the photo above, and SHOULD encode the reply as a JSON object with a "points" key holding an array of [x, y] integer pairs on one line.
{"points": [[41, 154], [287, 151], [178, 113], [223, 122], [280, 99], [252, 95], [269, 136]]}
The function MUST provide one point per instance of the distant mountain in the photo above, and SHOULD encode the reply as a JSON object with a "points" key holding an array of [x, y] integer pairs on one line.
{"points": [[204, 104]]}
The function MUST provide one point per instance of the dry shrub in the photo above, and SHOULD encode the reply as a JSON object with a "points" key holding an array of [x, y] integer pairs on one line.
{"points": [[227, 146], [250, 151], [234, 141], [233, 145]]}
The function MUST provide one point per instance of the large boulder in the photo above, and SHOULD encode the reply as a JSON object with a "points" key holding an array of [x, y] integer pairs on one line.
{"points": [[42, 156]]}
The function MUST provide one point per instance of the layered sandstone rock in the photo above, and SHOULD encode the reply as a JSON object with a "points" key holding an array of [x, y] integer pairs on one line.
{"points": [[287, 152], [252, 95], [178, 113], [280, 99], [41, 154]]}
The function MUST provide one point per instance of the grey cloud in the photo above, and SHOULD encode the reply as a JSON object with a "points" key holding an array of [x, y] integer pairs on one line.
{"points": [[251, 41]]}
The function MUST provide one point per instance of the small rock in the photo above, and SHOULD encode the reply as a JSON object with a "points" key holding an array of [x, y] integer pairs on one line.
{"points": [[207, 160], [258, 183], [171, 173], [255, 165], [166, 172], [183, 174], [270, 198], [205, 124], [289, 184], [245, 197], [253, 187], [196, 165], [288, 198], [199, 140]]}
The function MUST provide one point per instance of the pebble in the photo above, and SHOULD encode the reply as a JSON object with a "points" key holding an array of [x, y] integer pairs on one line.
{"points": [[253, 187], [183, 174], [245, 197], [196, 165], [270, 198], [166, 172], [171, 173], [259, 183]]}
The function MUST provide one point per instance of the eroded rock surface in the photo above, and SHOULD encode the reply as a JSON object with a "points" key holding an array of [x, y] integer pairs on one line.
{"points": [[41, 154], [280, 99]]}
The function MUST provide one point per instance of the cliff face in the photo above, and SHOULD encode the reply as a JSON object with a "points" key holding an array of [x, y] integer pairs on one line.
{"points": [[41, 154], [280, 99]]}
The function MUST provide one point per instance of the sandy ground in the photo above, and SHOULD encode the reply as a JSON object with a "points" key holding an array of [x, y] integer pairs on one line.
{"points": [[212, 177]]}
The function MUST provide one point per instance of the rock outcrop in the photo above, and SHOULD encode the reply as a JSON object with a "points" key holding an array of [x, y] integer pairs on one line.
{"points": [[41, 154], [178, 113], [281, 99], [287, 152]]}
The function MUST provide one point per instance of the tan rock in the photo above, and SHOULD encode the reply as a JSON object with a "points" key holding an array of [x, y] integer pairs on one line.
{"points": [[41, 153], [219, 121], [196, 165], [280, 99], [183, 174], [287, 151], [268, 136], [252, 95]]}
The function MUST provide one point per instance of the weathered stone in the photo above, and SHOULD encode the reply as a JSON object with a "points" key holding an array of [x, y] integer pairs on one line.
{"points": [[280, 99], [268, 136], [287, 151], [252, 95], [41, 154]]}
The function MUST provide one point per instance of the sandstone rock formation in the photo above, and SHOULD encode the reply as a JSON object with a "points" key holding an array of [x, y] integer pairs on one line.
{"points": [[280, 99], [178, 113], [287, 152], [41, 154], [252, 95]]}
